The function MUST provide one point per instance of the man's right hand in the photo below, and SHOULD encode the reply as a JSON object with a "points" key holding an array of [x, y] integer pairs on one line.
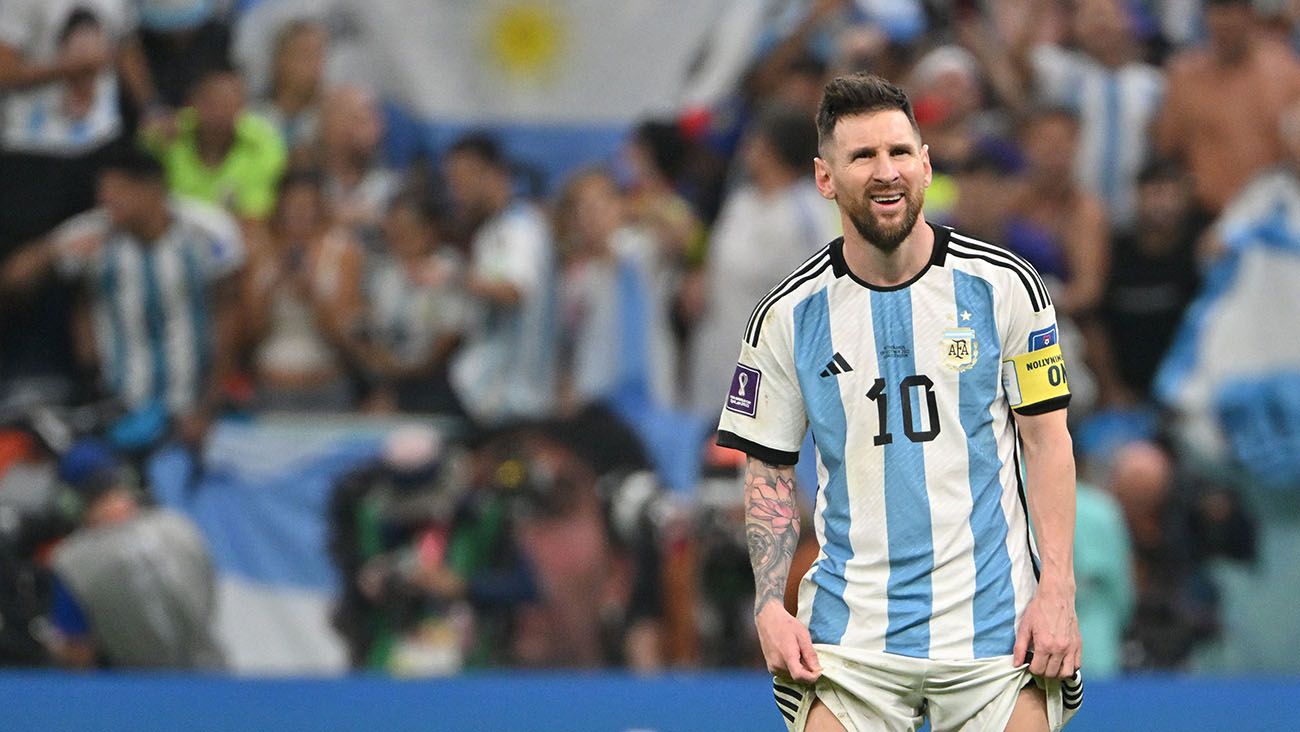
{"points": [[787, 646]]}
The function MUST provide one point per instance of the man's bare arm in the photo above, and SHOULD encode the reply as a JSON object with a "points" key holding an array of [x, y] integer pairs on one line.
{"points": [[771, 527]]}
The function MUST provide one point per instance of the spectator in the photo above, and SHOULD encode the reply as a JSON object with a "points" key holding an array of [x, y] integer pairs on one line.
{"points": [[61, 68], [766, 228], [1153, 279], [134, 586], [1114, 93], [305, 303], [416, 312], [1273, 192], [182, 40], [1055, 224], [293, 103], [160, 274], [1220, 117], [506, 368], [947, 86], [357, 185], [1173, 532], [221, 152], [652, 164], [615, 344]]}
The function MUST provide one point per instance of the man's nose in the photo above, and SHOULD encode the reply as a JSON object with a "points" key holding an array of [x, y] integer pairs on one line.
{"points": [[885, 170]]}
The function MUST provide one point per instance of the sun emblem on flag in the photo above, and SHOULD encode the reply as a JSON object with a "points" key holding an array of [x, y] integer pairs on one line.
{"points": [[526, 38]]}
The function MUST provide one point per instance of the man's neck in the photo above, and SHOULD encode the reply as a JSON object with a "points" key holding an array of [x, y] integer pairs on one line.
{"points": [[215, 145], [152, 228], [887, 269]]}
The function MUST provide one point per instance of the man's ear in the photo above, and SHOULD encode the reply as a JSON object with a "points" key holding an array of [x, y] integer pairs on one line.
{"points": [[925, 161], [822, 174]]}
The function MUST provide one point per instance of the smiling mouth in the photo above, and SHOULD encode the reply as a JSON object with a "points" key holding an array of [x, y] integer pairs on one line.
{"points": [[887, 199]]}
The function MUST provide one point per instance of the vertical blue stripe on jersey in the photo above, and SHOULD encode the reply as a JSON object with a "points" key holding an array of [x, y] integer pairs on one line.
{"points": [[155, 319], [812, 348], [1110, 145], [907, 503], [111, 298], [994, 605], [196, 288]]}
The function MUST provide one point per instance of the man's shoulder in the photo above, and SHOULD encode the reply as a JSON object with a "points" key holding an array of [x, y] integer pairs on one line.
{"points": [[813, 274], [1002, 268]]}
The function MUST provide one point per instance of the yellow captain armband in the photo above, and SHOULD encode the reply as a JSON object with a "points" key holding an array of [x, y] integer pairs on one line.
{"points": [[1036, 382]]}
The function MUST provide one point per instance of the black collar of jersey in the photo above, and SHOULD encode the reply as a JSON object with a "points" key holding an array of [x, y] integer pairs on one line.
{"points": [[937, 256]]}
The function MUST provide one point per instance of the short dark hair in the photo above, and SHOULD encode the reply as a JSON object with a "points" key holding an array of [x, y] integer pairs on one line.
{"points": [[666, 144], [862, 93], [482, 146], [133, 162], [1161, 170], [791, 134]]}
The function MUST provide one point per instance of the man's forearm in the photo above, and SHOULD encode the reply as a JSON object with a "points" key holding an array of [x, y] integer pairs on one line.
{"points": [[771, 527], [1049, 468]]}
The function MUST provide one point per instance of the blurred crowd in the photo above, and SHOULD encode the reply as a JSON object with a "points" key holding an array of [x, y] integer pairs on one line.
{"points": [[181, 244]]}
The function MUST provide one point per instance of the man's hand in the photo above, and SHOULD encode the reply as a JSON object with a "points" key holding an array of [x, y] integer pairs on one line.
{"points": [[1050, 629], [787, 646]]}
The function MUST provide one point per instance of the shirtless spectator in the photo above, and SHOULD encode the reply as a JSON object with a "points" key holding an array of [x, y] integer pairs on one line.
{"points": [[1224, 100]]}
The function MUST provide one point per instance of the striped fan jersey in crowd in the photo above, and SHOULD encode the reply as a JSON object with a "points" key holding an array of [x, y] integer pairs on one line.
{"points": [[920, 510], [151, 307]]}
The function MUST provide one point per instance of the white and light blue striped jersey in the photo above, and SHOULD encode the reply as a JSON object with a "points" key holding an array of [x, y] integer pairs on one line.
{"points": [[1116, 108], [151, 308], [920, 512]]}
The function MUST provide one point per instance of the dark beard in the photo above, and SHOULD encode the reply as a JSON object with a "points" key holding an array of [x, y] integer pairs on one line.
{"points": [[886, 240]]}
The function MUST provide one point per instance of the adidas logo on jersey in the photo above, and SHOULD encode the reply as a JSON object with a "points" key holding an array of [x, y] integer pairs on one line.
{"points": [[837, 365]]}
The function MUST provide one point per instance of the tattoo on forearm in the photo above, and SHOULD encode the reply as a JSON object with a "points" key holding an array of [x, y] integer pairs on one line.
{"points": [[771, 527]]}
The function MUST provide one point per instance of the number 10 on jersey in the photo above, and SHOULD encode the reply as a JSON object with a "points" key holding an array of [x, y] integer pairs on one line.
{"points": [[907, 388]]}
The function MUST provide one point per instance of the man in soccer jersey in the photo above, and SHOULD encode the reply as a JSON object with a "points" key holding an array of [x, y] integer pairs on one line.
{"points": [[927, 365]]}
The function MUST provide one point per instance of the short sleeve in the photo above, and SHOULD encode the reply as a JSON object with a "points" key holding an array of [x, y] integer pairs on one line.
{"points": [[17, 24], [763, 414], [1033, 366], [220, 248], [257, 193], [1056, 72], [74, 256], [521, 259]]}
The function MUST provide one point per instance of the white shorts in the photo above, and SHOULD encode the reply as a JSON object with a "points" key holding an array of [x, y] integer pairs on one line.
{"points": [[884, 692]]}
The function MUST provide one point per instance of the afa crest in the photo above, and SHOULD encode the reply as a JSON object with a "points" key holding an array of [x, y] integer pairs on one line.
{"points": [[958, 348]]}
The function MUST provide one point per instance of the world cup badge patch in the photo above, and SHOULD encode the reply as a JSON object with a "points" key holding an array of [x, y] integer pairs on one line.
{"points": [[959, 350], [743, 397]]}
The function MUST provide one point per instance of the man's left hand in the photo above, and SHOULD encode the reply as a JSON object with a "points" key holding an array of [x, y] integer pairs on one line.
{"points": [[1050, 629]]}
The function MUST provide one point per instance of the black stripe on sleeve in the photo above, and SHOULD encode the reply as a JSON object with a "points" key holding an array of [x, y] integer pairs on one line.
{"points": [[954, 250], [1043, 407], [767, 454], [761, 312], [776, 293], [1015, 259]]}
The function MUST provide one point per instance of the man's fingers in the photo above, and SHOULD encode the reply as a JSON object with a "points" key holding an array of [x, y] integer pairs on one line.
{"points": [[1022, 645], [1052, 667], [809, 653], [794, 663]]}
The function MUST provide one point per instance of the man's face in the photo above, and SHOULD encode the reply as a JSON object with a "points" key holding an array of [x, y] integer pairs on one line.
{"points": [[464, 175], [1050, 145], [1229, 28], [1163, 204], [876, 169], [218, 103], [125, 199]]}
